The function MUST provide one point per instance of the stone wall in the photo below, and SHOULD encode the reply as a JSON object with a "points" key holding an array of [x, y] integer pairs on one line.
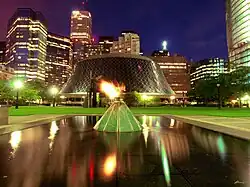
{"points": [[4, 116]]}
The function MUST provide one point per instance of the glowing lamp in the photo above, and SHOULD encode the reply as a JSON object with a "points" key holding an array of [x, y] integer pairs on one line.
{"points": [[172, 97], [18, 84], [164, 45], [54, 90]]}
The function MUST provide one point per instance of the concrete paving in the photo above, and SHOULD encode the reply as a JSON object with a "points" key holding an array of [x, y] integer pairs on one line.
{"points": [[238, 127], [23, 122]]}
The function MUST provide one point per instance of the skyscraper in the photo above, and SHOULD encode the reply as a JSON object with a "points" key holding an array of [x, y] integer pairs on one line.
{"points": [[238, 32], [102, 47], [58, 60], [107, 43], [128, 42], [2, 52], [81, 32], [176, 70], [26, 44], [207, 68]]}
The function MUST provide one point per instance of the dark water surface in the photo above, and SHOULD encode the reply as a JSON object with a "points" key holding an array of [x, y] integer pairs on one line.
{"points": [[167, 153]]}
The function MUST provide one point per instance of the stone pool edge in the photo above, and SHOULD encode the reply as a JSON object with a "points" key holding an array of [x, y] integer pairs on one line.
{"points": [[17, 126], [238, 132], [243, 133]]}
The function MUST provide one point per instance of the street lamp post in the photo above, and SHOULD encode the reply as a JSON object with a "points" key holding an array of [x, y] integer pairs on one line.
{"points": [[54, 91], [144, 98], [18, 85], [219, 96]]}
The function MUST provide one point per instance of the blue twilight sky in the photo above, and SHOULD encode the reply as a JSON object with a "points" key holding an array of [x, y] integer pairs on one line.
{"points": [[193, 28]]}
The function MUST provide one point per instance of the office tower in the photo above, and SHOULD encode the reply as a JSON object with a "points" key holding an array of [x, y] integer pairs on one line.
{"points": [[58, 60], [238, 32], [207, 68], [2, 52], [81, 32], [92, 50], [100, 48], [26, 44], [106, 42], [128, 42], [176, 71]]}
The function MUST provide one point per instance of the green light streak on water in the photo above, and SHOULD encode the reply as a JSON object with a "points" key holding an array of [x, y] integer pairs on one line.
{"points": [[166, 169], [221, 147]]}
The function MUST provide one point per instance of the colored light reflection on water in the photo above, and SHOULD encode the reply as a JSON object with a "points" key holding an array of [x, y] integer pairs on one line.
{"points": [[221, 147], [15, 139], [53, 130], [169, 153], [165, 165], [110, 165]]}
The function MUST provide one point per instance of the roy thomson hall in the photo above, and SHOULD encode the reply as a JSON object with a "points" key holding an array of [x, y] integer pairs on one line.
{"points": [[138, 73]]}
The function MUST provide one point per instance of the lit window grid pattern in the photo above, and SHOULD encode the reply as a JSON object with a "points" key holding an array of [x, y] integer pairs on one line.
{"points": [[241, 21], [206, 71], [26, 44], [81, 27], [175, 70], [240, 56], [128, 43], [58, 61]]}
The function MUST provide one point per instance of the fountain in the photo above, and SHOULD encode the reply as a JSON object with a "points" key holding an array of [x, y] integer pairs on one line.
{"points": [[118, 117]]}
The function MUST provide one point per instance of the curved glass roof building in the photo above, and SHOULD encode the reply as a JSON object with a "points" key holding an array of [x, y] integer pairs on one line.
{"points": [[137, 73], [238, 32]]}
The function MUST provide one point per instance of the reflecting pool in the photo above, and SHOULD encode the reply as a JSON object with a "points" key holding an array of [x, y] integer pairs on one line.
{"points": [[167, 153]]}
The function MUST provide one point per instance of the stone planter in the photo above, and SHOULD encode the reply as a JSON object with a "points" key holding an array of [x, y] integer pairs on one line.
{"points": [[4, 116]]}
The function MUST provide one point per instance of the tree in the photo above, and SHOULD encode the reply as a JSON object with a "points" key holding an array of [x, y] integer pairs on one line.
{"points": [[131, 99], [235, 83], [6, 93], [40, 87]]}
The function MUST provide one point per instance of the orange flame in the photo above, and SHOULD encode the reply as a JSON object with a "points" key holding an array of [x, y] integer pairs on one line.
{"points": [[111, 90]]}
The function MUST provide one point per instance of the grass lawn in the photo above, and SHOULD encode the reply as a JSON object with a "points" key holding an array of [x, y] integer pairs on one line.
{"points": [[227, 112]]}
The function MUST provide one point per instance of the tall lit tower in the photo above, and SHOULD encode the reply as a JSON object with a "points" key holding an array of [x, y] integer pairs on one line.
{"points": [[26, 44], [81, 32], [238, 32]]}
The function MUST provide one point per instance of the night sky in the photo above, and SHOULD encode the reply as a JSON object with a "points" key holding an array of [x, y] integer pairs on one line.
{"points": [[193, 28]]}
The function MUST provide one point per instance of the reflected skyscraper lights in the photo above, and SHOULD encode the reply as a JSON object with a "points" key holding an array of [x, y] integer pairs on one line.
{"points": [[212, 142], [172, 122], [53, 130], [15, 140]]}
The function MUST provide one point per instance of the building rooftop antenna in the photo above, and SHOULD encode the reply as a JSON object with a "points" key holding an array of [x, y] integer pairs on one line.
{"points": [[85, 4]]}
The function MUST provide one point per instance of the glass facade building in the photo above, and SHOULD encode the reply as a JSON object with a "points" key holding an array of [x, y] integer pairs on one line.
{"points": [[58, 60], [80, 32], [137, 73], [26, 44], [238, 32], [207, 68]]}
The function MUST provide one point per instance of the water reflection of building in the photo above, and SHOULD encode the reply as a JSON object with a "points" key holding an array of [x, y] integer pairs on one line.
{"points": [[175, 141], [26, 166], [211, 142], [60, 150], [233, 152]]}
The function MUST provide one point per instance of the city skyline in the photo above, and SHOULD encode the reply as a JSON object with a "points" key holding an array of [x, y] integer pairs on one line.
{"points": [[194, 29]]}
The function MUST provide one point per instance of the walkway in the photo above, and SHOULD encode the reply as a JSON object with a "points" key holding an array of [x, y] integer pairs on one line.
{"points": [[238, 127], [23, 122]]}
